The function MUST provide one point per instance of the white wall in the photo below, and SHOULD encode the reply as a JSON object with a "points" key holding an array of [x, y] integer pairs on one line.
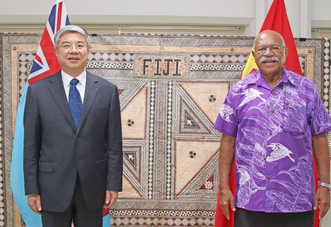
{"points": [[187, 12], [303, 14], [22, 15]]}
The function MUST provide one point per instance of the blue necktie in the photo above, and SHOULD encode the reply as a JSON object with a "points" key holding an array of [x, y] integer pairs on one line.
{"points": [[75, 101]]}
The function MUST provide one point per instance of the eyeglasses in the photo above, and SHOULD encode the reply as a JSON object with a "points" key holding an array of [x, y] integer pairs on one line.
{"points": [[78, 46], [272, 48]]}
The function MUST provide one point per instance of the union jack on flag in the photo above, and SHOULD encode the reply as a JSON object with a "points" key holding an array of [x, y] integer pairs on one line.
{"points": [[45, 64]]}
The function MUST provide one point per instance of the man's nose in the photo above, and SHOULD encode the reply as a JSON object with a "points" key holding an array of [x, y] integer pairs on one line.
{"points": [[73, 49], [268, 52]]}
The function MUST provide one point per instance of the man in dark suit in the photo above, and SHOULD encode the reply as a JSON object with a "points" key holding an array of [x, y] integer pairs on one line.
{"points": [[73, 161]]}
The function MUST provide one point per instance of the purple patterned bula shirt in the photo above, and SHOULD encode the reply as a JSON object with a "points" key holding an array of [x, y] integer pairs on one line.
{"points": [[273, 130]]}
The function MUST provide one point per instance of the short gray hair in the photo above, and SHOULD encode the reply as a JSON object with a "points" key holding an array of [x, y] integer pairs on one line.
{"points": [[70, 29]]}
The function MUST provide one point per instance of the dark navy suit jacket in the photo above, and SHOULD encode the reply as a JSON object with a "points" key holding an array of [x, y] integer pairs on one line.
{"points": [[56, 153]]}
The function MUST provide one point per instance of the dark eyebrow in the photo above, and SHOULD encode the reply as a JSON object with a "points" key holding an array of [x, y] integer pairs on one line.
{"points": [[67, 42]]}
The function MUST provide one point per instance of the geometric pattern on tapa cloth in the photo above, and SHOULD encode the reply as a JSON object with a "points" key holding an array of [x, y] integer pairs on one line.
{"points": [[171, 88]]}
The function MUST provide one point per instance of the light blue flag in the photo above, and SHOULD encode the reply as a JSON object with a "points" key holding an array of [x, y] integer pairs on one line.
{"points": [[106, 221], [16, 173]]}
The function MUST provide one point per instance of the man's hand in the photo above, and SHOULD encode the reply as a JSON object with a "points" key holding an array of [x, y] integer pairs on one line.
{"points": [[321, 152], [111, 197], [226, 158], [226, 199], [34, 203], [322, 201]]}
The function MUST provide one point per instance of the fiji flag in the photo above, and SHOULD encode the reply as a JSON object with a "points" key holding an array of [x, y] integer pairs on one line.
{"points": [[45, 64]]}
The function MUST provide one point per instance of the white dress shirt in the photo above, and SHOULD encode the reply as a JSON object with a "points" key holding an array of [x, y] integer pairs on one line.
{"points": [[66, 78]]}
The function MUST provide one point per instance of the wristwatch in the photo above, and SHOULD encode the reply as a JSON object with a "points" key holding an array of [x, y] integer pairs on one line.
{"points": [[324, 185]]}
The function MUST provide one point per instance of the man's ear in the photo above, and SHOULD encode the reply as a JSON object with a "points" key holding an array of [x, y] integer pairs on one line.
{"points": [[285, 54]]}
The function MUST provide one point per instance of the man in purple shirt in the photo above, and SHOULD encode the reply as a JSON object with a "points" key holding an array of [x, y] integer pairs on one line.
{"points": [[270, 120]]}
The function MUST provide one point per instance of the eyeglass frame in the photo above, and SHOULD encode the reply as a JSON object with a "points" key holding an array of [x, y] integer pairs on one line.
{"points": [[69, 46], [273, 48]]}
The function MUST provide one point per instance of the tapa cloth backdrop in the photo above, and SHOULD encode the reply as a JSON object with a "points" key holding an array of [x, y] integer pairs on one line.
{"points": [[171, 89]]}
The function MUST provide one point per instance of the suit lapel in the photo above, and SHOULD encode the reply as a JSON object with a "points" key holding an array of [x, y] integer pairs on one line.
{"points": [[57, 91], [91, 91]]}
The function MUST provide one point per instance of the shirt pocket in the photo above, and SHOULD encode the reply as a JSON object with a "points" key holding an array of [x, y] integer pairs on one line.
{"points": [[294, 117]]}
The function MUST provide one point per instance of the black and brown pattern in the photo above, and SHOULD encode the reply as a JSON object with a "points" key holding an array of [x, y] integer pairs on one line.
{"points": [[170, 146]]}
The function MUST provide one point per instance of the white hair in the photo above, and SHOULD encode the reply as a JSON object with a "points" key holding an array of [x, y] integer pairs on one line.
{"points": [[70, 29]]}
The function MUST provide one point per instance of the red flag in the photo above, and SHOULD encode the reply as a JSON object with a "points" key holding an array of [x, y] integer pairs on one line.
{"points": [[276, 20]]}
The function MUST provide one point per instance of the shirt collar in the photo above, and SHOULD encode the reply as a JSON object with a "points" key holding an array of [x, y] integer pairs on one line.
{"points": [[259, 80], [66, 78], [287, 76]]}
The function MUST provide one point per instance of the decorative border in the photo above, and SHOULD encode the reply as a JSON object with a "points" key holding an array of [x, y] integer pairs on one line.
{"points": [[147, 218], [326, 74], [151, 139], [327, 78], [2, 136], [169, 176]]}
